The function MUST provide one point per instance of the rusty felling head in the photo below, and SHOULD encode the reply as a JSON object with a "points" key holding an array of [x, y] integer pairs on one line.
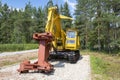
{"points": [[43, 36]]}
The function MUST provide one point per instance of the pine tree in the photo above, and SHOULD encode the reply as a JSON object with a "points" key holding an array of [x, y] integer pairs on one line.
{"points": [[6, 26], [0, 21], [96, 20], [66, 12], [82, 22], [50, 3]]}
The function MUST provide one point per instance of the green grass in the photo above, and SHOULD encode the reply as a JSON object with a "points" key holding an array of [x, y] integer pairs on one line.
{"points": [[104, 66], [99, 68], [17, 47], [99, 65]]}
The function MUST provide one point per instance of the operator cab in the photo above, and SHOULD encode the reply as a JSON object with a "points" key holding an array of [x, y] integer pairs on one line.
{"points": [[71, 39]]}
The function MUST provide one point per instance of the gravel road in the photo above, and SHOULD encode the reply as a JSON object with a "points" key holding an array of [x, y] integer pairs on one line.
{"points": [[63, 71], [18, 52]]}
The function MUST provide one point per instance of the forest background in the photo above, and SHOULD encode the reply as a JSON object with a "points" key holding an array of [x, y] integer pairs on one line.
{"points": [[97, 21]]}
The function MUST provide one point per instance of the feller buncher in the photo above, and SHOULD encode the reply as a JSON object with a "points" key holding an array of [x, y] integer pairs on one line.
{"points": [[65, 45], [53, 44]]}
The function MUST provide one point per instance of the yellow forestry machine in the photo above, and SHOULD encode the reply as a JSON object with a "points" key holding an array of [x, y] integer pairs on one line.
{"points": [[53, 44], [65, 45]]}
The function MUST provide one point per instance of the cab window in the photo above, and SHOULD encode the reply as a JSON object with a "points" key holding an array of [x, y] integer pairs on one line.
{"points": [[71, 34]]}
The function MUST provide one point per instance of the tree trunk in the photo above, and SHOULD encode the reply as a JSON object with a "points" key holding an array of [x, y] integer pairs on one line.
{"points": [[99, 44]]}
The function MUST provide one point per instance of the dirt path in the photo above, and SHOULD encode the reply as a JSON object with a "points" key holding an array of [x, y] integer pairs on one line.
{"points": [[17, 52], [63, 71]]}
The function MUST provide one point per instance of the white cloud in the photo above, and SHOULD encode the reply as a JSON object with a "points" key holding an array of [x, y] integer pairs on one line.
{"points": [[71, 4]]}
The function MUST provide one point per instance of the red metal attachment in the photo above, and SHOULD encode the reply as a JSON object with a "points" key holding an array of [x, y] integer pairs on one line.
{"points": [[42, 64]]}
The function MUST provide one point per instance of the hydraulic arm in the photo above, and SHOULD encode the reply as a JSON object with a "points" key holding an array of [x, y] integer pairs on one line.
{"points": [[54, 26]]}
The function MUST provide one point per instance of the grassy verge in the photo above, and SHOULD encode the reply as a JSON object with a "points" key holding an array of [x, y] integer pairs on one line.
{"points": [[17, 47], [104, 66]]}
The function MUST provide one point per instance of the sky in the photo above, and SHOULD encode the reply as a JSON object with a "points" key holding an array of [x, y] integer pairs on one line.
{"points": [[21, 3]]}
